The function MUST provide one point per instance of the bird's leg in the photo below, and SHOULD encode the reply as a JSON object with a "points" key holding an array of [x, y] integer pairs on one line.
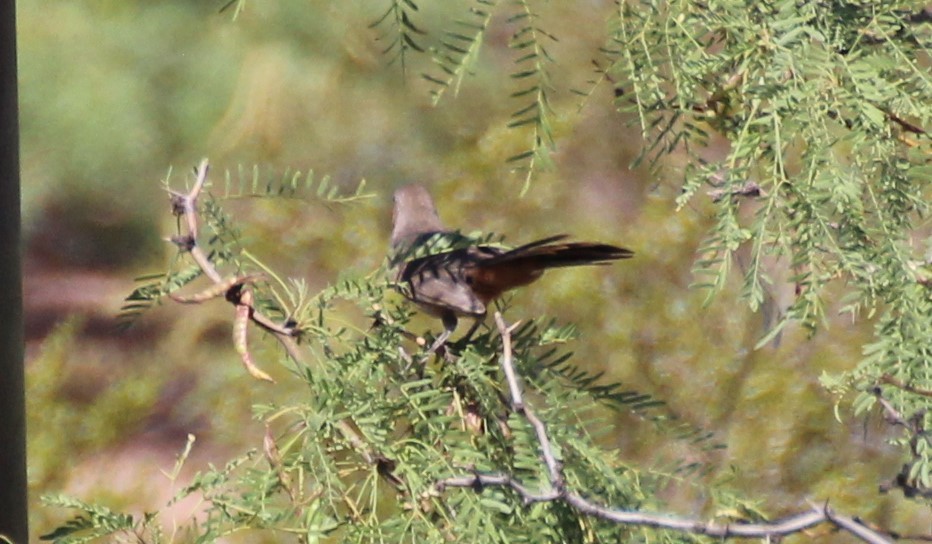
{"points": [[449, 325]]}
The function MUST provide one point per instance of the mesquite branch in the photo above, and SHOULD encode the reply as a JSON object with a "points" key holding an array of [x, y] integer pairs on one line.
{"points": [[237, 292], [816, 515], [185, 205]]}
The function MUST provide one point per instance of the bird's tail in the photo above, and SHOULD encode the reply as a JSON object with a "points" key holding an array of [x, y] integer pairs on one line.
{"points": [[552, 253]]}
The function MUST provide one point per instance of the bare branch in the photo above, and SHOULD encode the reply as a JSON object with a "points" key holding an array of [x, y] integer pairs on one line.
{"points": [[517, 401], [890, 414]]}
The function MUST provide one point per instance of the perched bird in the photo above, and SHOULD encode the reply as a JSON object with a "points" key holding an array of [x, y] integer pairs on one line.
{"points": [[463, 282]]}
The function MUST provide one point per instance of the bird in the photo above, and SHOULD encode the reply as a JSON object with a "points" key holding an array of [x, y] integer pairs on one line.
{"points": [[464, 281]]}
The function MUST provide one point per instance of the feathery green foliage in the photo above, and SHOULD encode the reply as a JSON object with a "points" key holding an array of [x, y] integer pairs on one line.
{"points": [[94, 522], [529, 41], [456, 56], [824, 106], [400, 30], [290, 184], [359, 455], [459, 49]]}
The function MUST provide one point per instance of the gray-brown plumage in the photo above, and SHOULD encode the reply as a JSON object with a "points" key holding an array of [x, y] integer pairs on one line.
{"points": [[463, 282]]}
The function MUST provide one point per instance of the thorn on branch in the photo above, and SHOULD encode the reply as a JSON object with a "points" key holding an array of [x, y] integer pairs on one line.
{"points": [[386, 469], [750, 189], [185, 243], [177, 201]]}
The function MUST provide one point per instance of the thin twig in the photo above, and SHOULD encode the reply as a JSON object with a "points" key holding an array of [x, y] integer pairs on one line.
{"points": [[517, 402], [890, 414], [888, 379], [554, 467]]}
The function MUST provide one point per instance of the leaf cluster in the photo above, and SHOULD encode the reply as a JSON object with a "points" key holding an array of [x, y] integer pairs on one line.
{"points": [[825, 108], [455, 53]]}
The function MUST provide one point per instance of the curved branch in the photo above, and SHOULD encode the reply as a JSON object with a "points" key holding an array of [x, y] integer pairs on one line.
{"points": [[186, 204]]}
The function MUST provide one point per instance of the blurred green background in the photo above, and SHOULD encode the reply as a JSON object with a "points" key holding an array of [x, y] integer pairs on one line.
{"points": [[113, 94]]}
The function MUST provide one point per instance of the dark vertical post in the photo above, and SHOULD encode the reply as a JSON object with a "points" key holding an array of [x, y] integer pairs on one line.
{"points": [[13, 513]]}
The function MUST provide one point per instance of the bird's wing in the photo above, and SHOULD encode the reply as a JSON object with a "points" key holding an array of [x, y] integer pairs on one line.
{"points": [[440, 283]]}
